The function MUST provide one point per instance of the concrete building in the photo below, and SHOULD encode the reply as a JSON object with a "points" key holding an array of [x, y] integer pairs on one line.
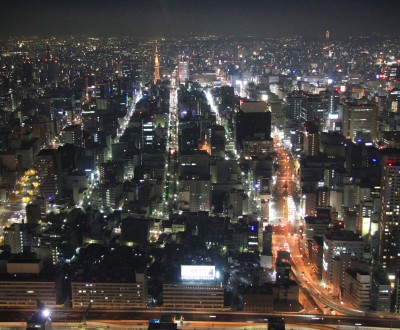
{"points": [[380, 294], [72, 134], [189, 295], [311, 141], [195, 194], [260, 300], [389, 258], [25, 283], [315, 226], [110, 294], [360, 121], [194, 164], [339, 249], [357, 288], [183, 69], [48, 163]]}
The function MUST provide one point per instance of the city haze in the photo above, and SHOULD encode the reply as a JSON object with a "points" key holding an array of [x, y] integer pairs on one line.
{"points": [[168, 18]]}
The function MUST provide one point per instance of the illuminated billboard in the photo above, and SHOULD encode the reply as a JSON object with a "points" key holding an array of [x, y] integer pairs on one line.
{"points": [[197, 273]]}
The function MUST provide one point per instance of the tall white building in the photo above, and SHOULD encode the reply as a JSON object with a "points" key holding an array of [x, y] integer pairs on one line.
{"points": [[183, 69]]}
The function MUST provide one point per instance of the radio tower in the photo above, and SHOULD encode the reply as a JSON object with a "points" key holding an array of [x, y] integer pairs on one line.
{"points": [[156, 67], [327, 35]]}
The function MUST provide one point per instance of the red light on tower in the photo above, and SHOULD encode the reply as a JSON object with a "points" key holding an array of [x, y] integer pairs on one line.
{"points": [[327, 35]]}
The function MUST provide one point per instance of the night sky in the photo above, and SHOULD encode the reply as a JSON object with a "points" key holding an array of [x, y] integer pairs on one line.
{"points": [[156, 18]]}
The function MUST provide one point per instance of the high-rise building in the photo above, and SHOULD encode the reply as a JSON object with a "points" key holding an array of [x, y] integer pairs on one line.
{"points": [[108, 173], [217, 140], [389, 222], [313, 106], [49, 170], [196, 163], [53, 71], [311, 138], [189, 135], [15, 237], [195, 194], [294, 106], [147, 133], [183, 69], [360, 121], [253, 122], [72, 134], [342, 248], [27, 71]]}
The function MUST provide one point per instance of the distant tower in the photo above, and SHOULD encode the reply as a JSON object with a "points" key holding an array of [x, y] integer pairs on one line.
{"points": [[327, 35], [156, 67], [47, 53]]}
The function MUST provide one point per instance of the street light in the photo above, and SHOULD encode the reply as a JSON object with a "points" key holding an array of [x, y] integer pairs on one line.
{"points": [[46, 312]]}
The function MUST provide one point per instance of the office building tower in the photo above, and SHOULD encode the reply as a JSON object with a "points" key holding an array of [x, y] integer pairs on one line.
{"points": [[217, 140], [357, 288], [53, 71], [360, 121], [109, 172], [189, 135], [147, 133], [294, 101], [114, 292], [72, 134], [389, 222], [103, 91], [253, 122], [183, 69], [238, 203], [195, 194], [48, 163], [313, 106], [342, 250], [26, 280], [27, 71], [333, 100], [16, 237], [196, 163], [311, 140], [198, 287], [380, 293]]}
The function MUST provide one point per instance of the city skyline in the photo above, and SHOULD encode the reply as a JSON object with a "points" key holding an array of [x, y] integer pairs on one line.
{"points": [[171, 18], [185, 165]]}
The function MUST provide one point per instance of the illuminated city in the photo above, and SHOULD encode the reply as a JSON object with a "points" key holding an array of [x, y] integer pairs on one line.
{"points": [[198, 178]]}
